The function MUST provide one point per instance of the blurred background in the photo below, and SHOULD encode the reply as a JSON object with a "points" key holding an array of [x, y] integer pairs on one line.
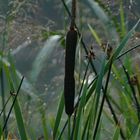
{"points": [[32, 37]]}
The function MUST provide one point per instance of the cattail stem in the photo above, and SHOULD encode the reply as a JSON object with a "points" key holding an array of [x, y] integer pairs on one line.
{"points": [[69, 127], [73, 11]]}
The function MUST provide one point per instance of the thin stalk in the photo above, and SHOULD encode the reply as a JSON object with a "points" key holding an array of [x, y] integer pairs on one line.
{"points": [[62, 131], [5, 105], [5, 124], [69, 127], [114, 102]]}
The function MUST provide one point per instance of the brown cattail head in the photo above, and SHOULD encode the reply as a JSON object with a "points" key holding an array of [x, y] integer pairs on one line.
{"points": [[69, 81]]}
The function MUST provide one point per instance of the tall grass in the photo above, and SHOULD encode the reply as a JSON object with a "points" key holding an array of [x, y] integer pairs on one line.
{"points": [[89, 113]]}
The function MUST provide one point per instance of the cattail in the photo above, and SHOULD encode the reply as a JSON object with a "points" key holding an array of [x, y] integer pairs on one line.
{"points": [[69, 81]]}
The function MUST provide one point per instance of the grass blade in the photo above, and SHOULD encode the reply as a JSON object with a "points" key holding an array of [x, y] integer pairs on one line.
{"points": [[79, 113], [44, 123], [102, 102], [59, 116], [95, 35], [18, 114], [99, 85], [116, 133], [123, 28], [137, 133]]}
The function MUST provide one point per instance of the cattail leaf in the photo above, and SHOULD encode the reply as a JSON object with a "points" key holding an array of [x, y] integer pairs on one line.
{"points": [[99, 85], [17, 109], [116, 134], [98, 40], [85, 129], [59, 115], [91, 90], [128, 104], [44, 123], [123, 28], [20, 122], [79, 113], [95, 100], [98, 135], [136, 137], [4, 61], [1, 132]]}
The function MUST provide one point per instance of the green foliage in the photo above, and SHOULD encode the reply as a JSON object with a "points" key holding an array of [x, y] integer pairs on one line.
{"points": [[107, 100], [59, 115]]}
